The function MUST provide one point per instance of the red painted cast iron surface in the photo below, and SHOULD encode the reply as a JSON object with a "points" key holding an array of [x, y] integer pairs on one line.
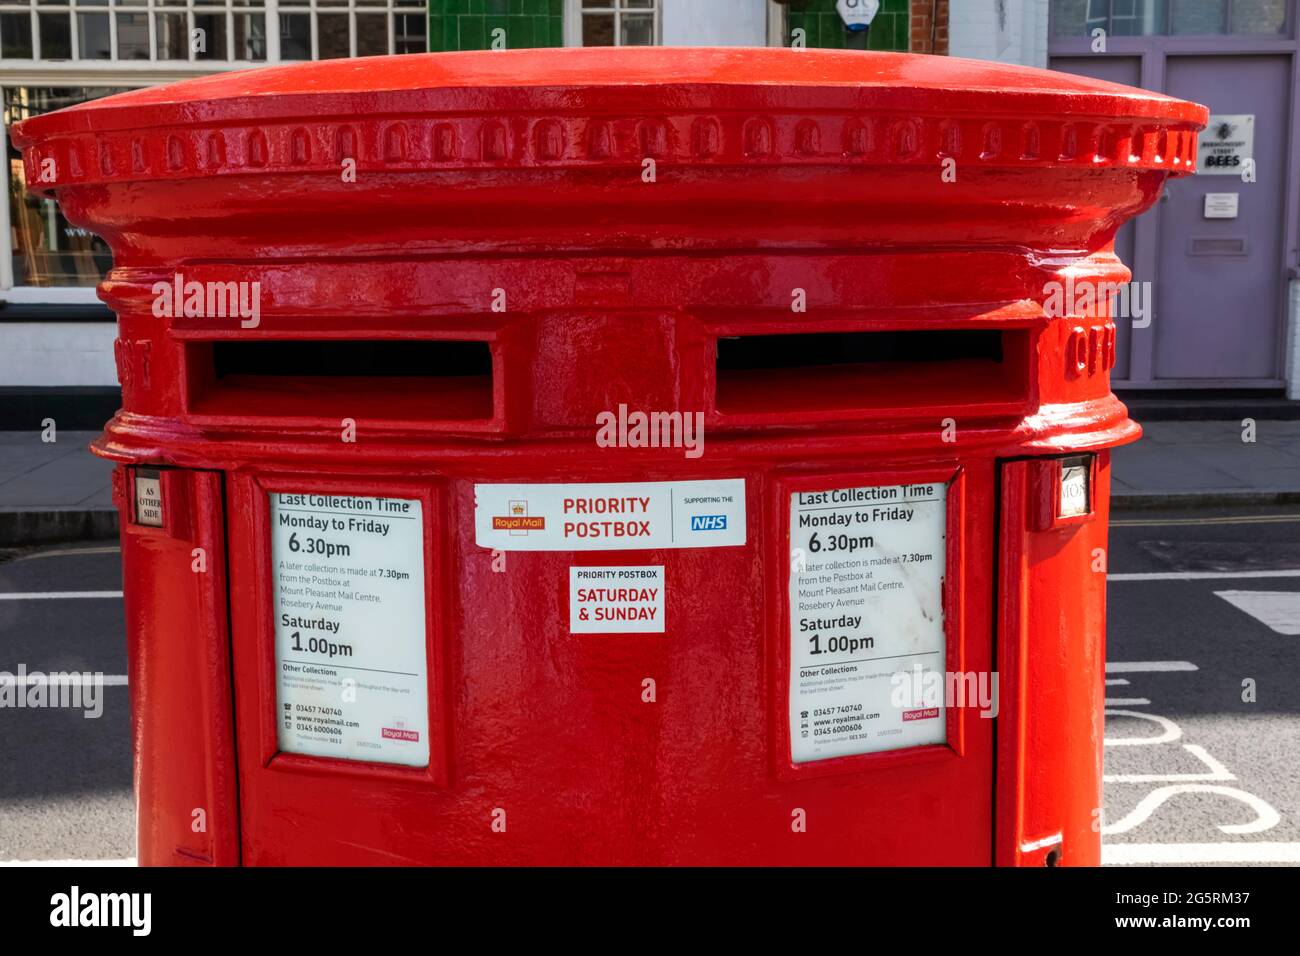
{"points": [[522, 179]]}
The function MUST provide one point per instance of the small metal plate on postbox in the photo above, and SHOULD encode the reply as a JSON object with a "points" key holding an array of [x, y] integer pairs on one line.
{"points": [[1075, 499], [148, 498]]}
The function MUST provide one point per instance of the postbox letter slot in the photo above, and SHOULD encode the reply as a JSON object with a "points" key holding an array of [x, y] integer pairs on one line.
{"points": [[401, 380], [912, 370]]}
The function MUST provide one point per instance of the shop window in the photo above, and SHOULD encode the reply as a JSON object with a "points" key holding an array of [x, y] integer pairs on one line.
{"points": [[48, 250], [45, 250]]}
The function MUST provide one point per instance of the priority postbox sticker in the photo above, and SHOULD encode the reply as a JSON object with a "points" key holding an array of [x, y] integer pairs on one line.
{"points": [[866, 618], [350, 646], [616, 600], [615, 516]]}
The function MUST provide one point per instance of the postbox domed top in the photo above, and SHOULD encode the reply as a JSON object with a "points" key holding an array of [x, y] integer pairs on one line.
{"points": [[686, 100], [898, 80]]}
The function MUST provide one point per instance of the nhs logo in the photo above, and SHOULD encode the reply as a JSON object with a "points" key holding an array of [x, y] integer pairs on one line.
{"points": [[708, 522]]}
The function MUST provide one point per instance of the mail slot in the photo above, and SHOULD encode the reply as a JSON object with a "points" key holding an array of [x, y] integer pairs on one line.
{"points": [[615, 456]]}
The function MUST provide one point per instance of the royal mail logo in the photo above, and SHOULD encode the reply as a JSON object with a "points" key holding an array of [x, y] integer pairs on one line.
{"points": [[524, 523], [398, 733], [519, 521], [924, 714]]}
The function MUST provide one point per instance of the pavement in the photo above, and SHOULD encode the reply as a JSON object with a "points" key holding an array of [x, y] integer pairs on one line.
{"points": [[53, 491], [57, 491], [1205, 463]]}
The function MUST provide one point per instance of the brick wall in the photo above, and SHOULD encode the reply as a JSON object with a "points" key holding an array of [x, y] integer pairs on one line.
{"points": [[929, 28]]}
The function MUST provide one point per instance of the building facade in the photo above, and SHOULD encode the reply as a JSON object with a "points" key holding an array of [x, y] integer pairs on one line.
{"points": [[56, 338], [1220, 248], [1221, 271]]}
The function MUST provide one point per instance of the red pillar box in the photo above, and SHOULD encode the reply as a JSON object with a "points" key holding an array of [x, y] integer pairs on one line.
{"points": [[638, 456]]}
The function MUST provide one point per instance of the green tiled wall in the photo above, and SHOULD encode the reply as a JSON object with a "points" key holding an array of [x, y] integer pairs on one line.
{"points": [[468, 24], [889, 31]]}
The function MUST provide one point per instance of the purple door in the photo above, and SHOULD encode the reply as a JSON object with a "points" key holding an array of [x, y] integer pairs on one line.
{"points": [[1219, 281]]}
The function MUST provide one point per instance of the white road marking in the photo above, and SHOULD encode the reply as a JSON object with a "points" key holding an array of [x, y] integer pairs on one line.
{"points": [[1148, 667], [59, 595], [72, 680], [1265, 816], [64, 552], [1126, 701], [1117, 682], [1202, 575], [1218, 772], [1277, 610], [1170, 731], [128, 861], [1145, 854]]}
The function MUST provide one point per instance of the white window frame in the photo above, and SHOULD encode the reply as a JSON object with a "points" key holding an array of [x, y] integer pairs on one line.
{"points": [[389, 9], [573, 20], [776, 23], [125, 73]]}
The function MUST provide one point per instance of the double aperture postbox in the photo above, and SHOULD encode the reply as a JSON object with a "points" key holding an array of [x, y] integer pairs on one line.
{"points": [[615, 456]]}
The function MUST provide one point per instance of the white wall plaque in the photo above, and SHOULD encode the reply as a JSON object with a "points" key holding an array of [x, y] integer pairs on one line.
{"points": [[1221, 205]]}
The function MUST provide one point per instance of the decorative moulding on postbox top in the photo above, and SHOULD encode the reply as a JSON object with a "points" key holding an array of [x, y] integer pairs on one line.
{"points": [[540, 109]]}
